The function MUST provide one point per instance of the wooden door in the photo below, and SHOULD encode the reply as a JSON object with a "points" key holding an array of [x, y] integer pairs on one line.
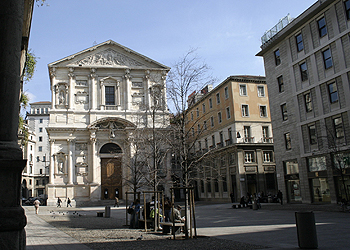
{"points": [[111, 178]]}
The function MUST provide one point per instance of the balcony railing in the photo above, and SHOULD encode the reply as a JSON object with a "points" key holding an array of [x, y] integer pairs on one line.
{"points": [[249, 139], [267, 139]]}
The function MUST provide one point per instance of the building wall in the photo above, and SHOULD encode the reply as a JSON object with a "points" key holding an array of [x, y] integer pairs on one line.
{"points": [[99, 97], [308, 101], [226, 168]]}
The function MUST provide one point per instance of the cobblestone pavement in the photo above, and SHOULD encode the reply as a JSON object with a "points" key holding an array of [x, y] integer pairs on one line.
{"points": [[80, 228]]}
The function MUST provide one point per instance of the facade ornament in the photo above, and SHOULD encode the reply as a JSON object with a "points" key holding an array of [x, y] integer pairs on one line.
{"points": [[127, 74], [53, 72], [147, 74], [71, 74], [93, 73], [108, 57]]}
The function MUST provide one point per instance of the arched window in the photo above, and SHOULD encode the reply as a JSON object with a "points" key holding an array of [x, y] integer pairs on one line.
{"points": [[110, 148]]}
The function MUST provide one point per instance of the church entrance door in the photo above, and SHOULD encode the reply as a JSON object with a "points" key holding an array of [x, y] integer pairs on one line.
{"points": [[111, 178]]}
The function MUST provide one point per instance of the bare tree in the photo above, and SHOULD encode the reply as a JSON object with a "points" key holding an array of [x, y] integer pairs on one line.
{"points": [[186, 77]]}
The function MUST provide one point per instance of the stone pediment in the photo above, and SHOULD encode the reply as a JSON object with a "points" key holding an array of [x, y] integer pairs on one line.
{"points": [[108, 54], [108, 57]]}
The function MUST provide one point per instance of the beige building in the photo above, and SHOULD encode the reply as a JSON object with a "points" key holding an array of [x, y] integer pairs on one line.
{"points": [[307, 72], [231, 124], [99, 97]]}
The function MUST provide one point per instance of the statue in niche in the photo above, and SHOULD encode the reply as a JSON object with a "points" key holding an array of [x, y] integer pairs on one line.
{"points": [[62, 98], [60, 163]]}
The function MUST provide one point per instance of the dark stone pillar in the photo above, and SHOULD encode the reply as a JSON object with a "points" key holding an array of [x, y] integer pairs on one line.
{"points": [[12, 217]]}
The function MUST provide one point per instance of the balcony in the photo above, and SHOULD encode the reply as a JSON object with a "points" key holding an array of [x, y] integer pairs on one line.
{"points": [[228, 142], [249, 139], [267, 139]]}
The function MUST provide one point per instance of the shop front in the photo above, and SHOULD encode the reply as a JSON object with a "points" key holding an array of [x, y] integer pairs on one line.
{"points": [[291, 170]]}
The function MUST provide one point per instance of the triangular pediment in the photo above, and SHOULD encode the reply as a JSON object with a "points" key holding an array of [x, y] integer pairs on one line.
{"points": [[108, 54]]}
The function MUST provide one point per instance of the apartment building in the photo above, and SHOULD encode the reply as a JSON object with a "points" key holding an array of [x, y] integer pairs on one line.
{"points": [[230, 130], [35, 175], [307, 73]]}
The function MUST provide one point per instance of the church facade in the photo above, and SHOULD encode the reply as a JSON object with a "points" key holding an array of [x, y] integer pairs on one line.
{"points": [[100, 97]]}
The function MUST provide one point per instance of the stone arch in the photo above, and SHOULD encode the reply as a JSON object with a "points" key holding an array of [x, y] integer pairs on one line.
{"points": [[110, 148]]}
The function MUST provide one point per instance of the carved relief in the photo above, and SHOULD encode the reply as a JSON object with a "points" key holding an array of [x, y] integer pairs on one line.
{"points": [[108, 57], [81, 97]]}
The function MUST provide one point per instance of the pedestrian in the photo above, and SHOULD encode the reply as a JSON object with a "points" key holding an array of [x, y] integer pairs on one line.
{"points": [[59, 201], [69, 202], [280, 196], [116, 201], [134, 222], [167, 209], [36, 205], [232, 197]]}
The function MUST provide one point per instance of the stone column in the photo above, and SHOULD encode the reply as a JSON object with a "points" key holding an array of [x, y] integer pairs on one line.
{"points": [[52, 163], [12, 218], [92, 154], [93, 94], [71, 87], [53, 88], [70, 161], [127, 90]]}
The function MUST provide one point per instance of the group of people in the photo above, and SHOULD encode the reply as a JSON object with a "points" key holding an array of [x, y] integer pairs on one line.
{"points": [[260, 197], [59, 202], [152, 211]]}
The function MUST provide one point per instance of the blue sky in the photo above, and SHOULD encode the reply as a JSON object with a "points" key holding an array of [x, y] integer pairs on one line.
{"points": [[226, 33]]}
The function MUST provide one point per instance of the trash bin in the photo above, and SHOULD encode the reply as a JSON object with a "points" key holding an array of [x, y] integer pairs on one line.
{"points": [[107, 211], [306, 229], [255, 205]]}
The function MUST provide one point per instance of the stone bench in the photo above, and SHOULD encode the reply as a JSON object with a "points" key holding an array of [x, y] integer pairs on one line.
{"points": [[170, 225], [100, 214]]}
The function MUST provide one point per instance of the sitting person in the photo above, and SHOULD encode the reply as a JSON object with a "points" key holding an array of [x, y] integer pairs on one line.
{"points": [[177, 215]]}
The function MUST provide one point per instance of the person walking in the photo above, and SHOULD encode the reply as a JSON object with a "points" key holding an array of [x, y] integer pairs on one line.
{"points": [[280, 196], [134, 222], [36, 205], [116, 201], [69, 202], [59, 201]]}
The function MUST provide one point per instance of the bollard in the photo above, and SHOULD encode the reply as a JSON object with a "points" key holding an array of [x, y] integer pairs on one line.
{"points": [[306, 229], [107, 211]]}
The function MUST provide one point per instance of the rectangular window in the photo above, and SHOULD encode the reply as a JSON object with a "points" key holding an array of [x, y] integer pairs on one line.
{"points": [[247, 134], [261, 91], [267, 156], [277, 57], [284, 112], [203, 107], [308, 102], [347, 8], [217, 98], [210, 103], [219, 117], [327, 58], [40, 148], [228, 113], [197, 112], [249, 157], [226, 93], [303, 71], [245, 110], [198, 128], [41, 120], [212, 121], [213, 141], [299, 41], [338, 127], [40, 130], [333, 92], [280, 84], [191, 116], [192, 129], [265, 132], [206, 143], [288, 141], [37, 158], [312, 134], [44, 158], [242, 89], [40, 138], [263, 111], [110, 95], [41, 171], [221, 135], [322, 28], [205, 125]]}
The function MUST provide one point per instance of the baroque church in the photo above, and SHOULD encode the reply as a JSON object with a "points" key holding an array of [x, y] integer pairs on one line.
{"points": [[100, 96]]}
